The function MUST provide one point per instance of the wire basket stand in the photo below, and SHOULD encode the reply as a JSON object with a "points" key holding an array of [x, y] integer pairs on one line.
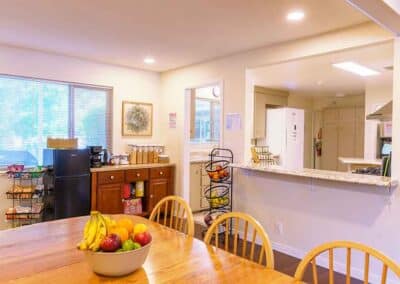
{"points": [[27, 191], [219, 192]]}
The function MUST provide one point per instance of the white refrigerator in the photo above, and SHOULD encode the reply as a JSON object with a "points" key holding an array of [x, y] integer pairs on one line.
{"points": [[285, 136]]}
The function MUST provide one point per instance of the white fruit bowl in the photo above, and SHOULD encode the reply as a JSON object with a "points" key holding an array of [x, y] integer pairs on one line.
{"points": [[117, 263]]}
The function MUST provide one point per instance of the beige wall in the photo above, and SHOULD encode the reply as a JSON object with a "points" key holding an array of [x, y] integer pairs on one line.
{"points": [[128, 84], [238, 94], [296, 203], [262, 98], [329, 101]]}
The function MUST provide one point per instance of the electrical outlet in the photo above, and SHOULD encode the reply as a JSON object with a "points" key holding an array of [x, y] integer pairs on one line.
{"points": [[279, 228]]}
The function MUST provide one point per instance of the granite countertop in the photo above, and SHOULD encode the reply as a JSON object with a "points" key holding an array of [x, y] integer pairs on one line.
{"points": [[347, 177], [130, 167], [361, 161]]}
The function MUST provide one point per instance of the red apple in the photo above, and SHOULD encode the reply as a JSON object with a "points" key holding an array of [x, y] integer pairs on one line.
{"points": [[110, 243], [142, 238]]}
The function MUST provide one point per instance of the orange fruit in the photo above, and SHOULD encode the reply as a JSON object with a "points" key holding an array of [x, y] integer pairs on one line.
{"points": [[121, 232], [126, 223]]}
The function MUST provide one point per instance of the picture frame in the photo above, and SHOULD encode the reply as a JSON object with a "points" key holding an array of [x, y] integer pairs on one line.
{"points": [[137, 119]]}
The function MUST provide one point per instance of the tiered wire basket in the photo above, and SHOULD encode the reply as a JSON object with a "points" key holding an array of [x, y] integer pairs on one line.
{"points": [[219, 192]]}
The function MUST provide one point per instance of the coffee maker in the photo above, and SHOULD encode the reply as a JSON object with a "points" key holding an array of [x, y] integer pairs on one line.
{"points": [[95, 156]]}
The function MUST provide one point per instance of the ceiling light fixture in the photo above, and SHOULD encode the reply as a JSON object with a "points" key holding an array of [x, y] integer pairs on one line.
{"points": [[149, 60], [295, 16], [355, 68]]}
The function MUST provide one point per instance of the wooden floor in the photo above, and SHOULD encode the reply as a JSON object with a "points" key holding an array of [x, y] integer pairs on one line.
{"points": [[288, 264]]}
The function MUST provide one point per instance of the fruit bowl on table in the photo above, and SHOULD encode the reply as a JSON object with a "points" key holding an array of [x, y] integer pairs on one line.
{"points": [[114, 247], [117, 263]]}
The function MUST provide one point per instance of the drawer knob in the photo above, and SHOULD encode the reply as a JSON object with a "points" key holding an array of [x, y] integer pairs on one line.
{"points": [[138, 174], [111, 177], [161, 173], [151, 196]]}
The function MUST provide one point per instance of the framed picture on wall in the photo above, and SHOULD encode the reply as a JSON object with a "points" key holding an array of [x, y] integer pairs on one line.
{"points": [[137, 119]]}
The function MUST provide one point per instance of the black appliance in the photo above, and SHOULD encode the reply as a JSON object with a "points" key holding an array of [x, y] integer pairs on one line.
{"points": [[105, 157], [70, 170], [95, 156]]}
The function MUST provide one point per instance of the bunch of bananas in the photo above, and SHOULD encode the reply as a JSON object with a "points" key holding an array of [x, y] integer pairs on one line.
{"points": [[96, 229]]}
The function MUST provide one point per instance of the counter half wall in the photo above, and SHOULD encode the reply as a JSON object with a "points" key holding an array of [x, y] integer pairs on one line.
{"points": [[302, 209]]}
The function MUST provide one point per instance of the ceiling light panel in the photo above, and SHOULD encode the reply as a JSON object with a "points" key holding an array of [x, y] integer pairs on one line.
{"points": [[356, 68]]}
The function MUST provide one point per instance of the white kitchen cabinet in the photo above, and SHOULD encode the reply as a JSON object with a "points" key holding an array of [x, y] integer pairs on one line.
{"points": [[199, 182]]}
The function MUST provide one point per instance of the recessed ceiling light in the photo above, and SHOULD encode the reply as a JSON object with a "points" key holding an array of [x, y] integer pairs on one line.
{"points": [[356, 68], [149, 60], [295, 16], [320, 82]]}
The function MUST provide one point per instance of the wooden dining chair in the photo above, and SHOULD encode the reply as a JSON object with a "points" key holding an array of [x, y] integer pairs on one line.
{"points": [[311, 257], [251, 228], [174, 212]]}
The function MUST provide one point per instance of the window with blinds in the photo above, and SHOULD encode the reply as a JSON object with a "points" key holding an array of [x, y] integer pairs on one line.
{"points": [[32, 110]]}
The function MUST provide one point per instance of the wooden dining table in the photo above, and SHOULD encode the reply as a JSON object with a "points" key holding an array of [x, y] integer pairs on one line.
{"points": [[46, 253]]}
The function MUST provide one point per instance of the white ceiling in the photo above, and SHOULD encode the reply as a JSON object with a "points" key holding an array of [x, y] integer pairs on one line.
{"points": [[315, 76], [175, 32]]}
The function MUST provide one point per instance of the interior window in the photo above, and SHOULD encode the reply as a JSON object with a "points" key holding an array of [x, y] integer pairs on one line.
{"points": [[206, 115]]}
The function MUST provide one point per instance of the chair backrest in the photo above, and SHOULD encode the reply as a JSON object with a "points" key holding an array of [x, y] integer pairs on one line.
{"points": [[230, 224], [311, 257], [174, 212]]}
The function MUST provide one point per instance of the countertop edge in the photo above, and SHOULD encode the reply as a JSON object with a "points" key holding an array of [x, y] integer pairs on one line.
{"points": [[325, 175], [130, 167]]}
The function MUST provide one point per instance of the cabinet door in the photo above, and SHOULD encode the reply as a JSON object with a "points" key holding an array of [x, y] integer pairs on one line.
{"points": [[158, 189], [109, 199], [195, 186], [346, 135], [329, 158]]}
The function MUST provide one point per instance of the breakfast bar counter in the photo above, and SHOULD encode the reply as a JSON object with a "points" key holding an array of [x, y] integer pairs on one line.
{"points": [[345, 177], [46, 253]]}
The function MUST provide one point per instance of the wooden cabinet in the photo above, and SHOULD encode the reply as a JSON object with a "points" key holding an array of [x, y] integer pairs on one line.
{"points": [[342, 136], [136, 174], [158, 189], [111, 177], [109, 198], [199, 182], [107, 186]]}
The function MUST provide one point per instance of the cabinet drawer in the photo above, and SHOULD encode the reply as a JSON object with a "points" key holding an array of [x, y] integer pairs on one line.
{"points": [[137, 174], [111, 177], [160, 172]]}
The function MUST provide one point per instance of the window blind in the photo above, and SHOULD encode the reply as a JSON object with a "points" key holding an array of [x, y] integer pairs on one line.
{"points": [[34, 109]]}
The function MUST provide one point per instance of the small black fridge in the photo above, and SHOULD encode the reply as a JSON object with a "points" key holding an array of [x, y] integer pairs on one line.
{"points": [[70, 177]]}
